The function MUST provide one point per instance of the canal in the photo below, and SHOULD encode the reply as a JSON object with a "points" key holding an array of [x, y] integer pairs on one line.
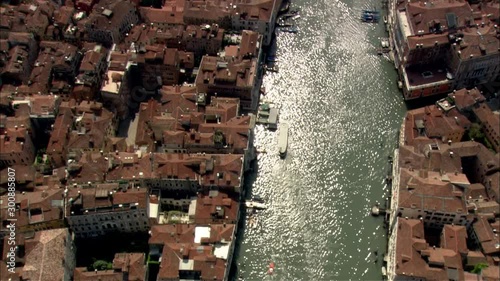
{"points": [[344, 109]]}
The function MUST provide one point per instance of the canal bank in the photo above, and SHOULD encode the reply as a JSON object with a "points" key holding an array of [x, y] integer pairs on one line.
{"points": [[344, 111]]}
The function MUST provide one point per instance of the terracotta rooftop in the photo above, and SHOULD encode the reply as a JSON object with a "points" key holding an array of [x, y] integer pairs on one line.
{"points": [[167, 15], [179, 121], [438, 124], [216, 207], [92, 124], [487, 117], [454, 237], [93, 56], [105, 198], [423, 15], [439, 158], [256, 10], [25, 174], [478, 41], [216, 70], [44, 104], [464, 98], [12, 140], [190, 233], [61, 130], [414, 257], [417, 192], [208, 11], [126, 266], [36, 207], [63, 15], [178, 257], [119, 10], [490, 243], [45, 255]]}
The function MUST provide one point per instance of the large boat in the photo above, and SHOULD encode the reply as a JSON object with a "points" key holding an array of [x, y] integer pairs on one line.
{"points": [[283, 139], [255, 205]]}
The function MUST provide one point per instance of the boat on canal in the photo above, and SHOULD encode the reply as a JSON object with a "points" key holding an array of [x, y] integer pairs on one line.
{"points": [[255, 205], [283, 139], [270, 271], [289, 29], [372, 16]]}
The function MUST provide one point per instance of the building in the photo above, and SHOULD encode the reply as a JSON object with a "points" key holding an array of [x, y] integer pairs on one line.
{"points": [[110, 20], [169, 15], [203, 39], [464, 100], [230, 78], [454, 237], [410, 257], [479, 202], [115, 86], [441, 45], [186, 122], [29, 17], [43, 255], [91, 72], [453, 167], [474, 55], [25, 177], [483, 234], [16, 147], [189, 251], [38, 210], [104, 208], [490, 122], [55, 67], [126, 267], [216, 207], [17, 55], [259, 16], [158, 66], [59, 138], [436, 202], [62, 20], [92, 127], [18, 115]]}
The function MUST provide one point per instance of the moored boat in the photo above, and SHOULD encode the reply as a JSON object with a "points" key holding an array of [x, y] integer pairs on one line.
{"points": [[283, 139], [255, 205]]}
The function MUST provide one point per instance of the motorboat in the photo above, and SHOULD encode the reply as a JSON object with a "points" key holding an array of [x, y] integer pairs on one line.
{"points": [[283, 139]]}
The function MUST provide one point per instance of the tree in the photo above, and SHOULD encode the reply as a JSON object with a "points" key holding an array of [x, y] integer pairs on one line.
{"points": [[102, 265], [478, 268], [475, 132]]}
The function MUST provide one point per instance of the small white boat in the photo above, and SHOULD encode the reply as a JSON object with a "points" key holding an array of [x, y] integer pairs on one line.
{"points": [[255, 205], [283, 139]]}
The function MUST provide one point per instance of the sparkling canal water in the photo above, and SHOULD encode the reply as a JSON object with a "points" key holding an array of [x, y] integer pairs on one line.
{"points": [[344, 109]]}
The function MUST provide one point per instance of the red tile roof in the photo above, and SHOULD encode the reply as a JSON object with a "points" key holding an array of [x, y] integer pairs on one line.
{"points": [[454, 237], [486, 237]]}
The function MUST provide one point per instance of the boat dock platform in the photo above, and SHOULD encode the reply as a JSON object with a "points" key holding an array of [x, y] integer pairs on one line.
{"points": [[268, 115]]}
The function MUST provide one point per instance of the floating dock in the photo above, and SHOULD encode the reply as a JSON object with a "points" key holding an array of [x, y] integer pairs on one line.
{"points": [[268, 115], [283, 139]]}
